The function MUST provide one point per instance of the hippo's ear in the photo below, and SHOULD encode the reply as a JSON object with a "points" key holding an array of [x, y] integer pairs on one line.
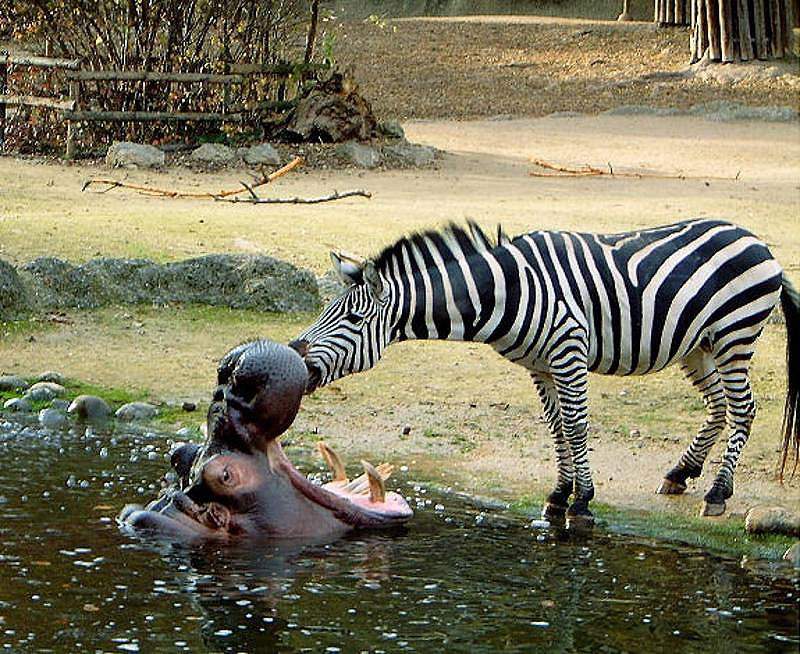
{"points": [[347, 269], [374, 282]]}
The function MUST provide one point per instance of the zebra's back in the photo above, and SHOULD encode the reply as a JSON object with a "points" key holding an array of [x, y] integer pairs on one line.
{"points": [[647, 298]]}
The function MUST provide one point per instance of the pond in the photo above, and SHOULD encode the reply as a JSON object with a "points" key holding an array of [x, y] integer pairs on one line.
{"points": [[458, 578]]}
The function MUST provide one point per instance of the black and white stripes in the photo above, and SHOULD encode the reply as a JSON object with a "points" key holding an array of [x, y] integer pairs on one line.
{"points": [[563, 304]]}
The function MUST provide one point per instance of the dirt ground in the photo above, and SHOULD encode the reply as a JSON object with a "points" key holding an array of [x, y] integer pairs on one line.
{"points": [[483, 66], [473, 417]]}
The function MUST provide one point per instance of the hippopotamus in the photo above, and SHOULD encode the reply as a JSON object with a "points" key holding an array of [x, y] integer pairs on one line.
{"points": [[240, 483]]}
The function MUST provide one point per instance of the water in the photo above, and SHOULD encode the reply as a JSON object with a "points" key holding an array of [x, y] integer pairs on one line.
{"points": [[456, 579]]}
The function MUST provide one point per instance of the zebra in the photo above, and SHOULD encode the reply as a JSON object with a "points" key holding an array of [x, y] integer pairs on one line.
{"points": [[563, 304]]}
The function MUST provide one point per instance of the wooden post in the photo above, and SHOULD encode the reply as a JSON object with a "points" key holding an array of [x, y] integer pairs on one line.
{"points": [[3, 90], [745, 41], [74, 96], [727, 53]]}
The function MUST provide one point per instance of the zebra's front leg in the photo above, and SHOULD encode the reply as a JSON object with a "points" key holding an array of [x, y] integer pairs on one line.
{"points": [[572, 381], [555, 508]]}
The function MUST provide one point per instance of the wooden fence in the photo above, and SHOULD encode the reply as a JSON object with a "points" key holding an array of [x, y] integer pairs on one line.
{"points": [[72, 109]]}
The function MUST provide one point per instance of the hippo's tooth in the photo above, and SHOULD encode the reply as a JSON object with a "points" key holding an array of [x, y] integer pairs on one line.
{"points": [[333, 461], [377, 491]]}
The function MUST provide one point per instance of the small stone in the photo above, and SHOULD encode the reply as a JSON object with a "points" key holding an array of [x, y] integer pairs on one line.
{"points": [[124, 154], [362, 156], [59, 404], [216, 154], [772, 520], [18, 405], [793, 555], [12, 383], [261, 154], [406, 430], [90, 408], [392, 129], [410, 154], [189, 406], [44, 391], [52, 419], [136, 411], [51, 376], [635, 433]]}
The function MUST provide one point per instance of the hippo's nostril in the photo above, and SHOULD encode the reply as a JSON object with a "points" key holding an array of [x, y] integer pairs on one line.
{"points": [[300, 346]]}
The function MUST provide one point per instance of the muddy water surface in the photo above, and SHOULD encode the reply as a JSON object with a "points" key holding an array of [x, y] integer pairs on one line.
{"points": [[456, 579]]}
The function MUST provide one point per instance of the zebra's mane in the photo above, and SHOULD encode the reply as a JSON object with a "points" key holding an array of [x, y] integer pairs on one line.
{"points": [[471, 237]]}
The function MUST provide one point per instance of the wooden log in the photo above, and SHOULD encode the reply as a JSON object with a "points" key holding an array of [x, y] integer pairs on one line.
{"points": [[140, 116], [36, 101], [3, 89], [745, 37], [44, 62], [763, 51], [680, 12], [712, 21], [279, 70], [776, 12], [152, 76], [75, 96], [727, 50], [312, 32]]}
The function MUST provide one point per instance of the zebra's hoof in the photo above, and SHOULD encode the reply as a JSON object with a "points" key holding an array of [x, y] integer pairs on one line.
{"points": [[554, 513], [580, 522], [711, 509], [669, 487]]}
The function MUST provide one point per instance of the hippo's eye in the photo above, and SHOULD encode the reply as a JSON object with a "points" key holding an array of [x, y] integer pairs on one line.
{"points": [[354, 318]]}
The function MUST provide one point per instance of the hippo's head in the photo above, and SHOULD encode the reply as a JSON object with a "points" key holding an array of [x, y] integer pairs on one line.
{"points": [[240, 482]]}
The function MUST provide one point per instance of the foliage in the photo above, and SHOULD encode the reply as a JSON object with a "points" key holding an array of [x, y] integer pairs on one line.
{"points": [[156, 35]]}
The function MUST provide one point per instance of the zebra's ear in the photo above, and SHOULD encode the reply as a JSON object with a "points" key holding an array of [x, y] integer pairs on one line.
{"points": [[348, 271], [373, 279]]}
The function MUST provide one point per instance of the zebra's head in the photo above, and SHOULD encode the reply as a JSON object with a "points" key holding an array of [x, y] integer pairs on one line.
{"points": [[353, 330]]}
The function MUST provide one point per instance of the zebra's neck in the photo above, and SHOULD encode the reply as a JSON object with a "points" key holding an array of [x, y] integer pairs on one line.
{"points": [[446, 288]]}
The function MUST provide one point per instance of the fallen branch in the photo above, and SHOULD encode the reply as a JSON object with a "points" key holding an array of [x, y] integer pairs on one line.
{"points": [[254, 199], [168, 193], [591, 171]]}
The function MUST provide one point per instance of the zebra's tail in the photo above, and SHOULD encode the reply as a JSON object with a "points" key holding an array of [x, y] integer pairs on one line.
{"points": [[790, 302]]}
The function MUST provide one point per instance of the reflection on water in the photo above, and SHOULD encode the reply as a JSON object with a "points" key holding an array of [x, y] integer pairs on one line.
{"points": [[456, 579]]}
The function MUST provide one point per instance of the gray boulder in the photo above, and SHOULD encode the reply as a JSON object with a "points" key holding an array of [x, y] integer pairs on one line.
{"points": [[261, 154], [772, 520], [18, 405], [214, 154], [133, 411], [51, 376], [410, 154], [44, 391], [13, 298], [12, 383], [59, 404], [52, 419], [124, 154], [90, 408], [363, 156]]}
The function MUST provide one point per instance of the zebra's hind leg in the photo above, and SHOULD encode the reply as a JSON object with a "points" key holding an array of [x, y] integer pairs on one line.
{"points": [[700, 368], [734, 373], [555, 508]]}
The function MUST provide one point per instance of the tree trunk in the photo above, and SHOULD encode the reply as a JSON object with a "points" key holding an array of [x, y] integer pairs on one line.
{"points": [[672, 12], [739, 30]]}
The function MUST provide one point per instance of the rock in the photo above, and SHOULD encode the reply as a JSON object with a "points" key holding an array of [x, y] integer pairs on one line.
{"points": [[635, 433], [52, 419], [333, 111], [12, 383], [90, 408], [640, 110], [189, 406], [136, 411], [59, 404], [261, 154], [215, 154], [243, 281], [363, 156], [18, 405], [124, 154], [392, 129], [793, 555], [723, 110], [406, 430], [51, 376], [13, 298], [565, 114], [772, 520], [410, 154], [44, 391]]}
